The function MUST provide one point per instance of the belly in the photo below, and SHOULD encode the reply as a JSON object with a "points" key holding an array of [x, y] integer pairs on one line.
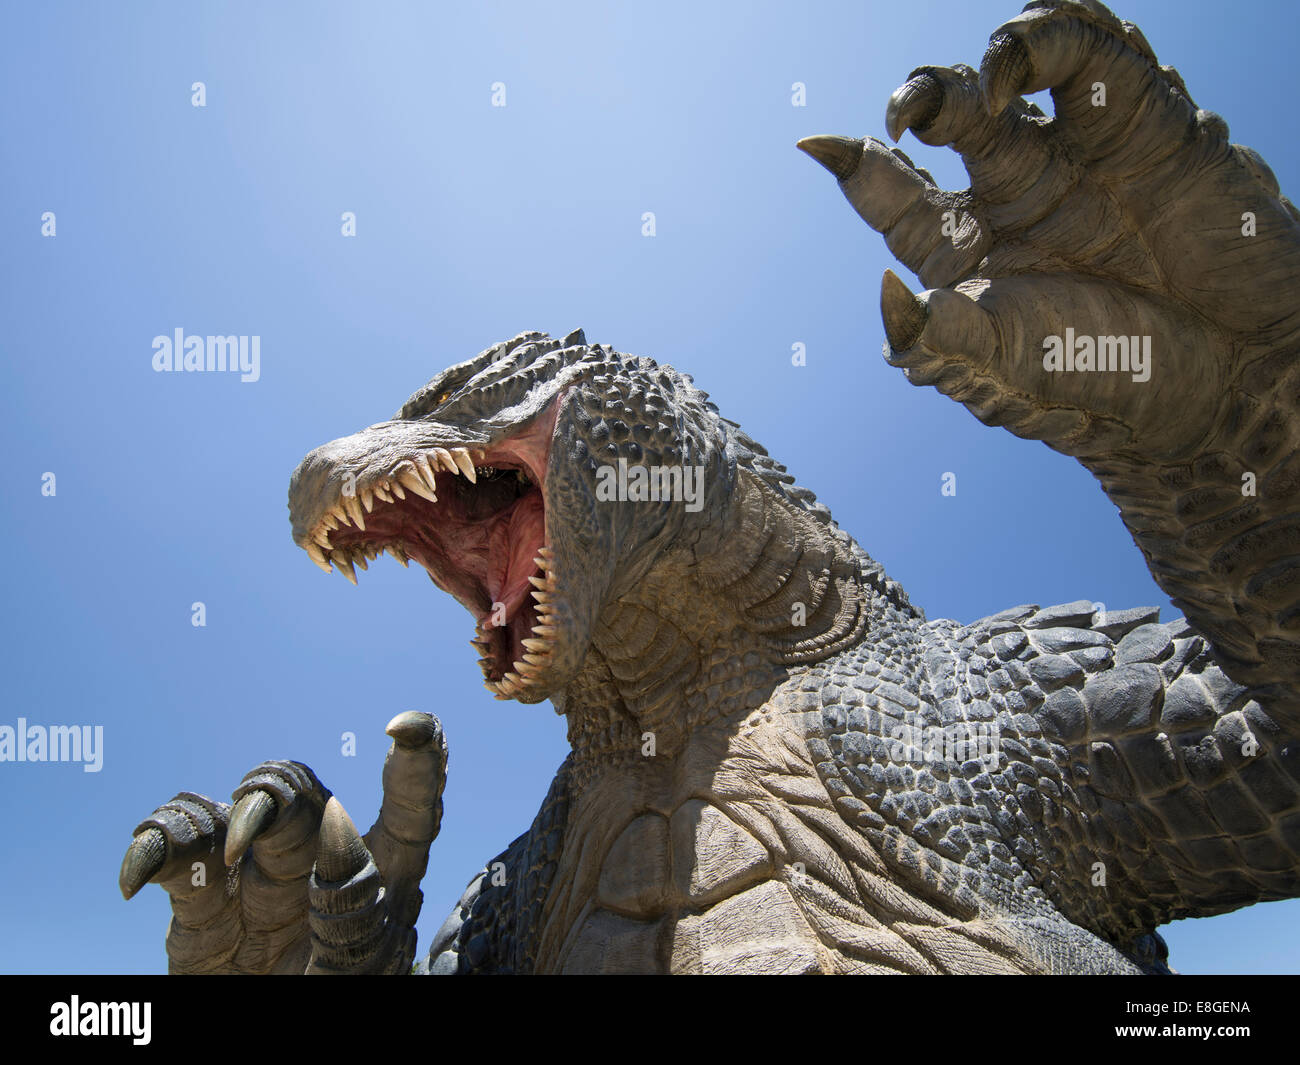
{"points": [[691, 892]]}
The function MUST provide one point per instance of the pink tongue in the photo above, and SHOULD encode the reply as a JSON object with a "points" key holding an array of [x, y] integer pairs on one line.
{"points": [[512, 549]]}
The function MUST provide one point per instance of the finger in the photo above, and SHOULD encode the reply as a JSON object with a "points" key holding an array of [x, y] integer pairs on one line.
{"points": [[273, 826], [1018, 171], [350, 927], [1078, 49], [990, 345], [179, 846], [168, 844], [934, 232], [415, 772]]}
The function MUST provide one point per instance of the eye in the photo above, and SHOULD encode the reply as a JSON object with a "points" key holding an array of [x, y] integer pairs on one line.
{"points": [[442, 398]]}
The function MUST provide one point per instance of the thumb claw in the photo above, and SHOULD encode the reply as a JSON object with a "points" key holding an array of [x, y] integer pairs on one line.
{"points": [[840, 155], [341, 853], [903, 313], [146, 855], [253, 814], [349, 913]]}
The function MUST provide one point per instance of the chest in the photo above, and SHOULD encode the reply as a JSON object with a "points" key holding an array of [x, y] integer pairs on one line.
{"points": [[725, 859]]}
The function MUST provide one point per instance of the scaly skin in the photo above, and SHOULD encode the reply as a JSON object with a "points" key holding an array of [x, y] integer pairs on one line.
{"points": [[769, 769]]}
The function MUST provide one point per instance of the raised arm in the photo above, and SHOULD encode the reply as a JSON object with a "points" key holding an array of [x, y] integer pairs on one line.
{"points": [[1121, 282]]}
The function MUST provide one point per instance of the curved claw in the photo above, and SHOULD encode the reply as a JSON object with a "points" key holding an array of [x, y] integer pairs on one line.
{"points": [[253, 814], [144, 858], [913, 105], [349, 912], [904, 315], [840, 155], [414, 729], [1004, 71], [341, 854]]}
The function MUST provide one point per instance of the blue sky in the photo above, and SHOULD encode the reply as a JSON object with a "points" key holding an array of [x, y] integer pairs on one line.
{"points": [[474, 223]]}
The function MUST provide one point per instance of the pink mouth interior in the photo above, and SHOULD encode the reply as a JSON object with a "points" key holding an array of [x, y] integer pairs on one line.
{"points": [[479, 541]]}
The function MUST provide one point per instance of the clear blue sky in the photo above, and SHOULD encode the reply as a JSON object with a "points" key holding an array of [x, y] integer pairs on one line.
{"points": [[474, 223]]}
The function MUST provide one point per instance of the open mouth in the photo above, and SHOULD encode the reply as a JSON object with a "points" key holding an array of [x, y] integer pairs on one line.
{"points": [[476, 521]]}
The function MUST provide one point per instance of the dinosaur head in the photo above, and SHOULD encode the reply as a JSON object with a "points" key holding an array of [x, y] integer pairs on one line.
{"points": [[534, 483]]}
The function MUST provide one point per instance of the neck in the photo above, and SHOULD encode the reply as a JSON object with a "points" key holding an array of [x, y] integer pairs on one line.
{"points": [[713, 630]]}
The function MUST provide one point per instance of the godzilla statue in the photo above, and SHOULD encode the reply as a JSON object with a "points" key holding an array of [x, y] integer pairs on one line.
{"points": [[778, 764]]}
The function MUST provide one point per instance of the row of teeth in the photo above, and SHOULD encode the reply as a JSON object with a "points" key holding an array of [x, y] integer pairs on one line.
{"points": [[525, 672], [413, 475]]}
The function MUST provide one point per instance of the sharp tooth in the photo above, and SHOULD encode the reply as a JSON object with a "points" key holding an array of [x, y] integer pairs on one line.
{"points": [[541, 563], [545, 551], [535, 645], [381, 492], [318, 556], [345, 566], [322, 538], [535, 660], [359, 557], [444, 457], [397, 490], [513, 679], [541, 583], [465, 463], [541, 596], [412, 481], [422, 464], [398, 554], [368, 499], [354, 512], [546, 630], [330, 521]]}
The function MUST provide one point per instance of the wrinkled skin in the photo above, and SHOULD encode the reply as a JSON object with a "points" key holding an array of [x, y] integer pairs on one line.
{"points": [[770, 769]]}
